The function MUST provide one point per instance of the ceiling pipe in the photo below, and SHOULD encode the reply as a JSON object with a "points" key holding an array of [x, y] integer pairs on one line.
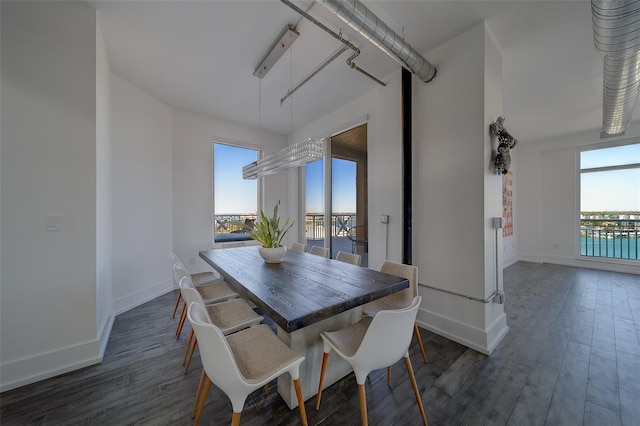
{"points": [[616, 35], [356, 51], [360, 18]]}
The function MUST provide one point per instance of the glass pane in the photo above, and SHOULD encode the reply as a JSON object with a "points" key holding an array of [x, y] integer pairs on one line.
{"points": [[610, 214], [610, 191], [619, 155], [343, 217], [235, 198], [314, 222]]}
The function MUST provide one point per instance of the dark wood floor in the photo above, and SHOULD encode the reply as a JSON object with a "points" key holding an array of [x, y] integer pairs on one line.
{"points": [[571, 357]]}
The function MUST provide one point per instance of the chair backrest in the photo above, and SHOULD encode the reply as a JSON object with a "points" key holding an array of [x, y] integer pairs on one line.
{"points": [[179, 271], [409, 272], [189, 291], [387, 339], [217, 359], [298, 247], [354, 259], [319, 251]]}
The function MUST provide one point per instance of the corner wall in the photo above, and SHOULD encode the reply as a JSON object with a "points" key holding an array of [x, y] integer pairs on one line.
{"points": [[104, 302], [193, 137], [48, 294], [456, 191], [547, 204], [142, 197]]}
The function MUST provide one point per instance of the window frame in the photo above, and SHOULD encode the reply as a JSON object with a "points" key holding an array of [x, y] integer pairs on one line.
{"points": [[259, 185], [579, 172]]}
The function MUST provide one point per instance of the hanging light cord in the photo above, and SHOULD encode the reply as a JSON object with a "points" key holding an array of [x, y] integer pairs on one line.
{"points": [[291, 87], [259, 100]]}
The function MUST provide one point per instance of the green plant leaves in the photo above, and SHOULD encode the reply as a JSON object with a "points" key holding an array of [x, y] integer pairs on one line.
{"points": [[267, 230]]}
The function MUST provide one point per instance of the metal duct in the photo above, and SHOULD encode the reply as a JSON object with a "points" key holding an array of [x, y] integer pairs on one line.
{"points": [[357, 16], [616, 34], [620, 93]]}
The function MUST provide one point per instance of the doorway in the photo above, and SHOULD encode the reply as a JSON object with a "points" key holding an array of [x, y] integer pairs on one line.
{"points": [[340, 188]]}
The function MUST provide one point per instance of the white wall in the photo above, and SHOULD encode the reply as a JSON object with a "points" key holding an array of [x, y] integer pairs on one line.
{"points": [[547, 205], [456, 192], [48, 293], [142, 206], [380, 109], [193, 137], [104, 304]]}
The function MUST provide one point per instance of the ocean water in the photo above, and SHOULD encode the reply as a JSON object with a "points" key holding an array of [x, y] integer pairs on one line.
{"points": [[618, 248]]}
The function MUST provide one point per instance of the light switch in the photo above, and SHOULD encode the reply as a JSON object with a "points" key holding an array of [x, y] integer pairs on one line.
{"points": [[52, 223]]}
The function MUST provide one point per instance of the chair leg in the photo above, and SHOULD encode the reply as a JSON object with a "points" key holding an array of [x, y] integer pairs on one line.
{"points": [[363, 405], [195, 402], [186, 348], [303, 412], [416, 331], [193, 349], [266, 389], [203, 398], [389, 376], [325, 357], [235, 420], [175, 308], [183, 317], [407, 362]]}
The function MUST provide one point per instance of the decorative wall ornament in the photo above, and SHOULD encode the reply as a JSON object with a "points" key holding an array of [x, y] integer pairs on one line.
{"points": [[507, 203], [506, 142]]}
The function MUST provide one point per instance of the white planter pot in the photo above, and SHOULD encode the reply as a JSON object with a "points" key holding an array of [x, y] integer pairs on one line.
{"points": [[273, 254]]}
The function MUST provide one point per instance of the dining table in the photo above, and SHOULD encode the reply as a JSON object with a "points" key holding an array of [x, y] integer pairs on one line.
{"points": [[303, 295]]}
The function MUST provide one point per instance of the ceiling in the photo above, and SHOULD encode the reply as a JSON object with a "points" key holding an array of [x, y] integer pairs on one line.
{"points": [[200, 56]]}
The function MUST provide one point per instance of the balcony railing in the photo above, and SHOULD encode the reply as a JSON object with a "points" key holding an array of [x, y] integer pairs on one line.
{"points": [[610, 238], [227, 227], [340, 225]]}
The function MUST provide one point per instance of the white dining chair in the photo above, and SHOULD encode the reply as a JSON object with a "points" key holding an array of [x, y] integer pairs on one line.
{"points": [[298, 247], [371, 344], [229, 316], [217, 291], [240, 363], [400, 299], [198, 278], [352, 258], [319, 251]]}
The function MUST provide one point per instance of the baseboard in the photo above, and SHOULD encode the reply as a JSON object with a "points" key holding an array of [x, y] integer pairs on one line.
{"points": [[105, 333], [602, 264], [22, 372], [139, 297], [483, 341], [508, 261], [533, 258]]}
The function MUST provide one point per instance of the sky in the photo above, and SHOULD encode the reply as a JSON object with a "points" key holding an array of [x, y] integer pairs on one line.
{"points": [[233, 194], [616, 190], [613, 190], [343, 186], [228, 163]]}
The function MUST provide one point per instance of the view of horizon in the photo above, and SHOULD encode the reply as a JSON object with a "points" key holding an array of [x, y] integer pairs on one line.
{"points": [[610, 190]]}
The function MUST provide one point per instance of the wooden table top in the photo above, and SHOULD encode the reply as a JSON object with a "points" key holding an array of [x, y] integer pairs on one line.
{"points": [[304, 288]]}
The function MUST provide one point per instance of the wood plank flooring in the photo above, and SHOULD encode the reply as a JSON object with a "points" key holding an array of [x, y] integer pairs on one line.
{"points": [[571, 357]]}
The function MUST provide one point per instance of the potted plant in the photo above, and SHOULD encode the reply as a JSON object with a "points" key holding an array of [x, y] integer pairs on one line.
{"points": [[268, 232]]}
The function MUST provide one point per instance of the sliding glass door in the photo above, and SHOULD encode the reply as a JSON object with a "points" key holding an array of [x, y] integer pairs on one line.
{"points": [[336, 196]]}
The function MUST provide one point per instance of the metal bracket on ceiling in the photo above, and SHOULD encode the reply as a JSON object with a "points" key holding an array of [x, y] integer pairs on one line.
{"points": [[338, 37]]}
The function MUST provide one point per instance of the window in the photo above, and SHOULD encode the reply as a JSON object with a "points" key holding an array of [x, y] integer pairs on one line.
{"points": [[235, 199], [610, 202]]}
